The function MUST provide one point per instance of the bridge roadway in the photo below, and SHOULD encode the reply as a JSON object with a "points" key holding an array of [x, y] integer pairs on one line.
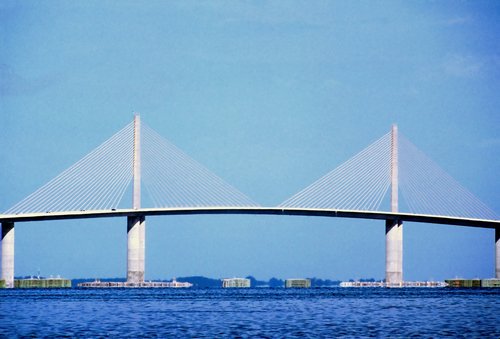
{"points": [[422, 218]]}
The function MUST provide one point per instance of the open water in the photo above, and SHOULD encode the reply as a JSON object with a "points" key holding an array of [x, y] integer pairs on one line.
{"points": [[264, 312]]}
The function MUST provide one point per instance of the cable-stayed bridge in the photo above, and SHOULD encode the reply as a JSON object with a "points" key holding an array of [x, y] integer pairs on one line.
{"points": [[174, 183]]}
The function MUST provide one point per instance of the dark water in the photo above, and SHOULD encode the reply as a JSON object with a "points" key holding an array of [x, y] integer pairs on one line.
{"points": [[277, 313]]}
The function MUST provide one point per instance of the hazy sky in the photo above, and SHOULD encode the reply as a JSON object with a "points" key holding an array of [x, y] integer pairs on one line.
{"points": [[268, 95]]}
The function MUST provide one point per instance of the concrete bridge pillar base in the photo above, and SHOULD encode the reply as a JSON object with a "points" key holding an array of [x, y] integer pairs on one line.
{"points": [[393, 251], [7, 244], [135, 249]]}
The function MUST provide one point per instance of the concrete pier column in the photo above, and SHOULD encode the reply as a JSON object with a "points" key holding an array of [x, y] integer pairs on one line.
{"points": [[7, 244], [394, 228], [135, 249], [136, 226], [142, 248], [497, 252], [393, 251]]}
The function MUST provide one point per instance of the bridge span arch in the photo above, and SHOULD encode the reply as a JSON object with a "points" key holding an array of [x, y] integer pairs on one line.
{"points": [[317, 212]]}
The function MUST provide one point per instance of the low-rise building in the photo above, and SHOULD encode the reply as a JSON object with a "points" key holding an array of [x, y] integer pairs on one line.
{"points": [[297, 283], [37, 282], [235, 282], [473, 282], [143, 284]]}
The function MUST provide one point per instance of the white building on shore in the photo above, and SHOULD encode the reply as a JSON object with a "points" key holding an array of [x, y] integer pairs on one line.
{"points": [[236, 283]]}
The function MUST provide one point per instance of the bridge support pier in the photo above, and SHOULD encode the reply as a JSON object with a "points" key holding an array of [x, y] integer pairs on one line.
{"points": [[7, 244], [394, 228], [136, 227], [393, 251], [497, 252]]}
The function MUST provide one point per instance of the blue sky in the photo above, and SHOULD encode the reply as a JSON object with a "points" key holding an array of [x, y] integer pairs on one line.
{"points": [[268, 95]]}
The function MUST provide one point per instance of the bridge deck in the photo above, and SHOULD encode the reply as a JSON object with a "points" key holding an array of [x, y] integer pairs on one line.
{"points": [[435, 219]]}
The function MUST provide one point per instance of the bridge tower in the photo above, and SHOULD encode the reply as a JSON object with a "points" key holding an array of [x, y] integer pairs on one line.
{"points": [[136, 225], [394, 227]]}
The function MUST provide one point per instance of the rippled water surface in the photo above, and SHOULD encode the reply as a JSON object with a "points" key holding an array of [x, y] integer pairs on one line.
{"points": [[326, 312]]}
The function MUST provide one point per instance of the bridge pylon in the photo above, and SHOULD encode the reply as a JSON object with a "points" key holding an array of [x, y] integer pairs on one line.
{"points": [[136, 225], [394, 228]]}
